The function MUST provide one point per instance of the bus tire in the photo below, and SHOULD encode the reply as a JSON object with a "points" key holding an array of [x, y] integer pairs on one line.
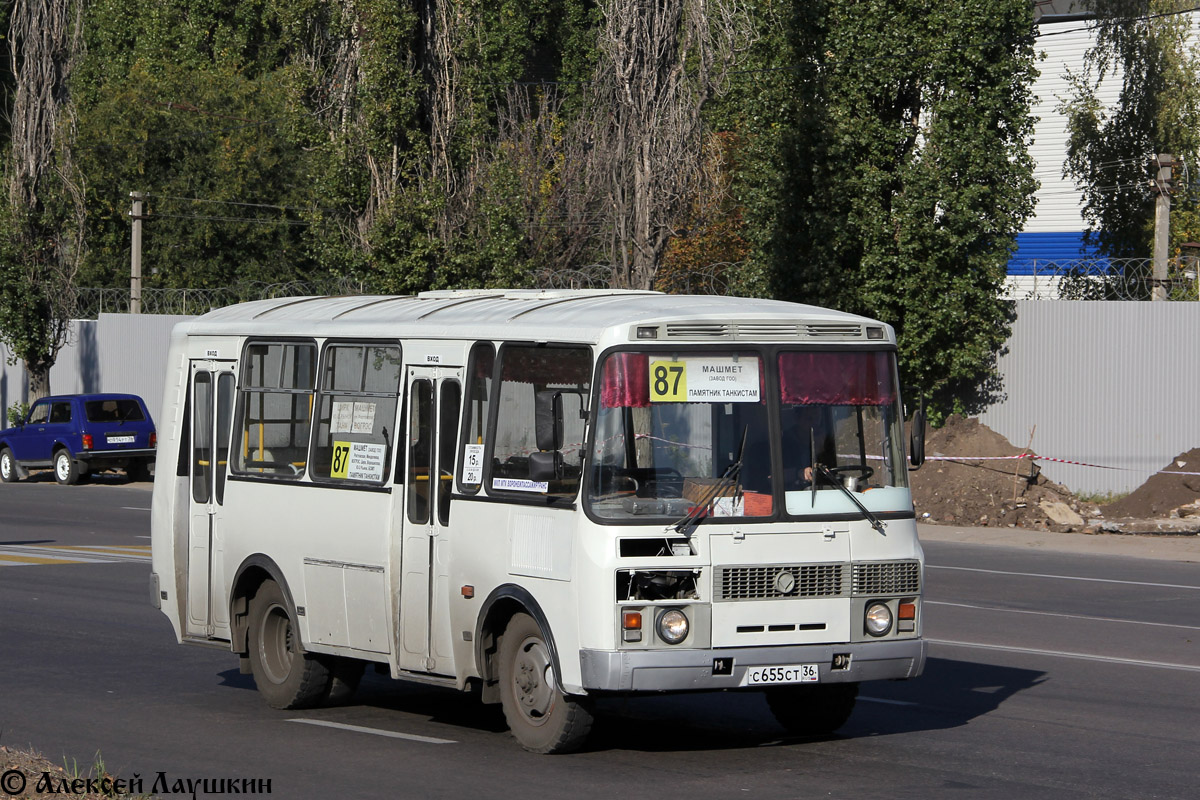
{"points": [[285, 677], [540, 716], [812, 710]]}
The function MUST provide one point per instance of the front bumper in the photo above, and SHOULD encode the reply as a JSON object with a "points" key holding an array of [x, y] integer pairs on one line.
{"points": [[684, 670]]}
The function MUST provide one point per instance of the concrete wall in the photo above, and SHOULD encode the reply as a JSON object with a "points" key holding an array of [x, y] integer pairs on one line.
{"points": [[115, 353], [1110, 383]]}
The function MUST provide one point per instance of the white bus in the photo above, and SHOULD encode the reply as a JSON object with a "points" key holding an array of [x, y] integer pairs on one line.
{"points": [[542, 496]]}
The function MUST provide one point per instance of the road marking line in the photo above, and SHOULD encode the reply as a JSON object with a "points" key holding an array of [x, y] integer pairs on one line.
{"points": [[887, 701], [1063, 654], [101, 549], [1067, 577], [376, 731], [17, 561], [134, 508], [1064, 616], [70, 554]]}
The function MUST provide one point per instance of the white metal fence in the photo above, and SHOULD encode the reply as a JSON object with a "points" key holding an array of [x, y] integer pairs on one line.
{"points": [[1114, 384]]}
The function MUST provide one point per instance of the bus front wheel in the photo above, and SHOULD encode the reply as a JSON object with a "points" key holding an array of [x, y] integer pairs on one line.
{"points": [[541, 717], [812, 710], [286, 677]]}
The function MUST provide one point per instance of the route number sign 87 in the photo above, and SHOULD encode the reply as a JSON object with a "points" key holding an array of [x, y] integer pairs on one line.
{"points": [[668, 381]]}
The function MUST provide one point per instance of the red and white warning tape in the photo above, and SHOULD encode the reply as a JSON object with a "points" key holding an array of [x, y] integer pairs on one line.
{"points": [[1033, 457]]}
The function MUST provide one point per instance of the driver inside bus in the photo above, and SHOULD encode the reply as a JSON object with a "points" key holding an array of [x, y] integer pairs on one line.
{"points": [[805, 437]]}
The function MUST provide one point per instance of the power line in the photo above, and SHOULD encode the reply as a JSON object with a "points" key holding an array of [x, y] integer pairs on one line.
{"points": [[251, 220], [228, 202]]}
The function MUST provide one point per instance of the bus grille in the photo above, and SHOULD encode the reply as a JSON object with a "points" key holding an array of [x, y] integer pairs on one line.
{"points": [[768, 582], [887, 577], [877, 578]]}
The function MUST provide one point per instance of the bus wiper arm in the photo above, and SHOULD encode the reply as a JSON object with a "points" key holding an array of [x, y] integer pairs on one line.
{"points": [[731, 477], [823, 471]]}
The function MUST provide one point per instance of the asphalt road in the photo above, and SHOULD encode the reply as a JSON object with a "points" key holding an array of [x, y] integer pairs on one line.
{"points": [[1051, 675]]}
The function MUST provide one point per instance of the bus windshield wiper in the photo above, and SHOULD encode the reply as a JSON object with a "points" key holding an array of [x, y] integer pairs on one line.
{"points": [[823, 471], [732, 476]]}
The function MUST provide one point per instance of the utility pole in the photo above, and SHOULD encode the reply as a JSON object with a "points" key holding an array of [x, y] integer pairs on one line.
{"points": [[135, 256], [1162, 225]]}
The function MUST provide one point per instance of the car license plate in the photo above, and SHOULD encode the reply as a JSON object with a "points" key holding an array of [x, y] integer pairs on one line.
{"points": [[120, 438], [783, 673]]}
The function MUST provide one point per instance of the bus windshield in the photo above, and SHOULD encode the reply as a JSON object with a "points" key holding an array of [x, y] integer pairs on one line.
{"points": [[669, 427]]}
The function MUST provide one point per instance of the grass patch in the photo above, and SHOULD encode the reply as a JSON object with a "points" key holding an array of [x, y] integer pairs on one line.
{"points": [[28, 775], [1102, 498]]}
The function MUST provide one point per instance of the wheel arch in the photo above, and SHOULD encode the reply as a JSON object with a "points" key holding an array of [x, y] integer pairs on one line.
{"points": [[252, 573], [505, 602]]}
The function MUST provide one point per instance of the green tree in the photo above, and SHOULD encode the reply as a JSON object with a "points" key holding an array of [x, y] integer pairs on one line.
{"points": [[1151, 52], [42, 216], [900, 131]]}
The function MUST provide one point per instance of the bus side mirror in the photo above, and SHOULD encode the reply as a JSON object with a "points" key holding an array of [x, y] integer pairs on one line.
{"points": [[545, 466], [916, 437], [548, 418]]}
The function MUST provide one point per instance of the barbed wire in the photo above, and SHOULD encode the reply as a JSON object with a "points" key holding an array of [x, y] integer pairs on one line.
{"points": [[1102, 279], [92, 302], [1036, 279], [719, 278]]}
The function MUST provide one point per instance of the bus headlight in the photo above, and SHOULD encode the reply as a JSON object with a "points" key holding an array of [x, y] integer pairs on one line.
{"points": [[878, 620], [672, 626]]}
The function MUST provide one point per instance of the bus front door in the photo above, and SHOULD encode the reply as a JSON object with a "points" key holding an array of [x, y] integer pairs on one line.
{"points": [[432, 409], [212, 385]]}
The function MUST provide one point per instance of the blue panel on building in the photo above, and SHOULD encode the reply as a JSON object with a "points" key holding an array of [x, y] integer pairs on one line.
{"points": [[1038, 253]]}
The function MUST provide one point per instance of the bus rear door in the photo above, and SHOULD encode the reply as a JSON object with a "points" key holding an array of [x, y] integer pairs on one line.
{"points": [[212, 392], [434, 396]]}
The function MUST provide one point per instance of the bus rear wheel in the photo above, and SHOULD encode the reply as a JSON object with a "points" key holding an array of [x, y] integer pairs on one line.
{"points": [[541, 717], [812, 710], [286, 677]]}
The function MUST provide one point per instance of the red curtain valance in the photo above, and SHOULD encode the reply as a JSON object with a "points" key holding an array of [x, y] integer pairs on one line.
{"points": [[626, 382], [839, 379]]}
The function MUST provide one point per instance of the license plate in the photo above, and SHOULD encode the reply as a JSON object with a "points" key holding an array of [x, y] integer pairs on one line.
{"points": [[121, 438], [783, 673]]}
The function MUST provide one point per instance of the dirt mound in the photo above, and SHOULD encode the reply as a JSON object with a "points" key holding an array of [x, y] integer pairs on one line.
{"points": [[1163, 493], [1010, 493]]}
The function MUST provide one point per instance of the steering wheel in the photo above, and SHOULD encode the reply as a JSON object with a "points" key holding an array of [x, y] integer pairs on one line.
{"points": [[861, 470]]}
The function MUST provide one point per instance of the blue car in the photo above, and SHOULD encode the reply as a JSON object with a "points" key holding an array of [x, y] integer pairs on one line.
{"points": [[79, 434]]}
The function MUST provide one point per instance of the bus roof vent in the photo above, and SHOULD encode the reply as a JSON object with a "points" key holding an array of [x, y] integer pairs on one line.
{"points": [[768, 330], [699, 330], [833, 330]]}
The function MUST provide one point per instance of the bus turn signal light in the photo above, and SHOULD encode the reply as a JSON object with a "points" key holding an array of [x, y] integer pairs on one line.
{"points": [[632, 621], [908, 611]]}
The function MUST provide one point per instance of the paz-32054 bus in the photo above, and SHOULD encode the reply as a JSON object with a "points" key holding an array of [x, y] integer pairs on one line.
{"points": [[545, 497]]}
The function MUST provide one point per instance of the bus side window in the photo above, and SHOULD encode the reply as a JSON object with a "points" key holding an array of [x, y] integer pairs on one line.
{"points": [[526, 370], [480, 369], [356, 404], [275, 409]]}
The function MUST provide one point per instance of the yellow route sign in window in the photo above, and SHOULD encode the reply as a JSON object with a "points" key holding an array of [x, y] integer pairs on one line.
{"points": [[341, 460], [668, 381]]}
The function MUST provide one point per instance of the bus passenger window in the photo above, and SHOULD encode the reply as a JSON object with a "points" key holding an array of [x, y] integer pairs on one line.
{"points": [[479, 395], [526, 370], [356, 413], [275, 409]]}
